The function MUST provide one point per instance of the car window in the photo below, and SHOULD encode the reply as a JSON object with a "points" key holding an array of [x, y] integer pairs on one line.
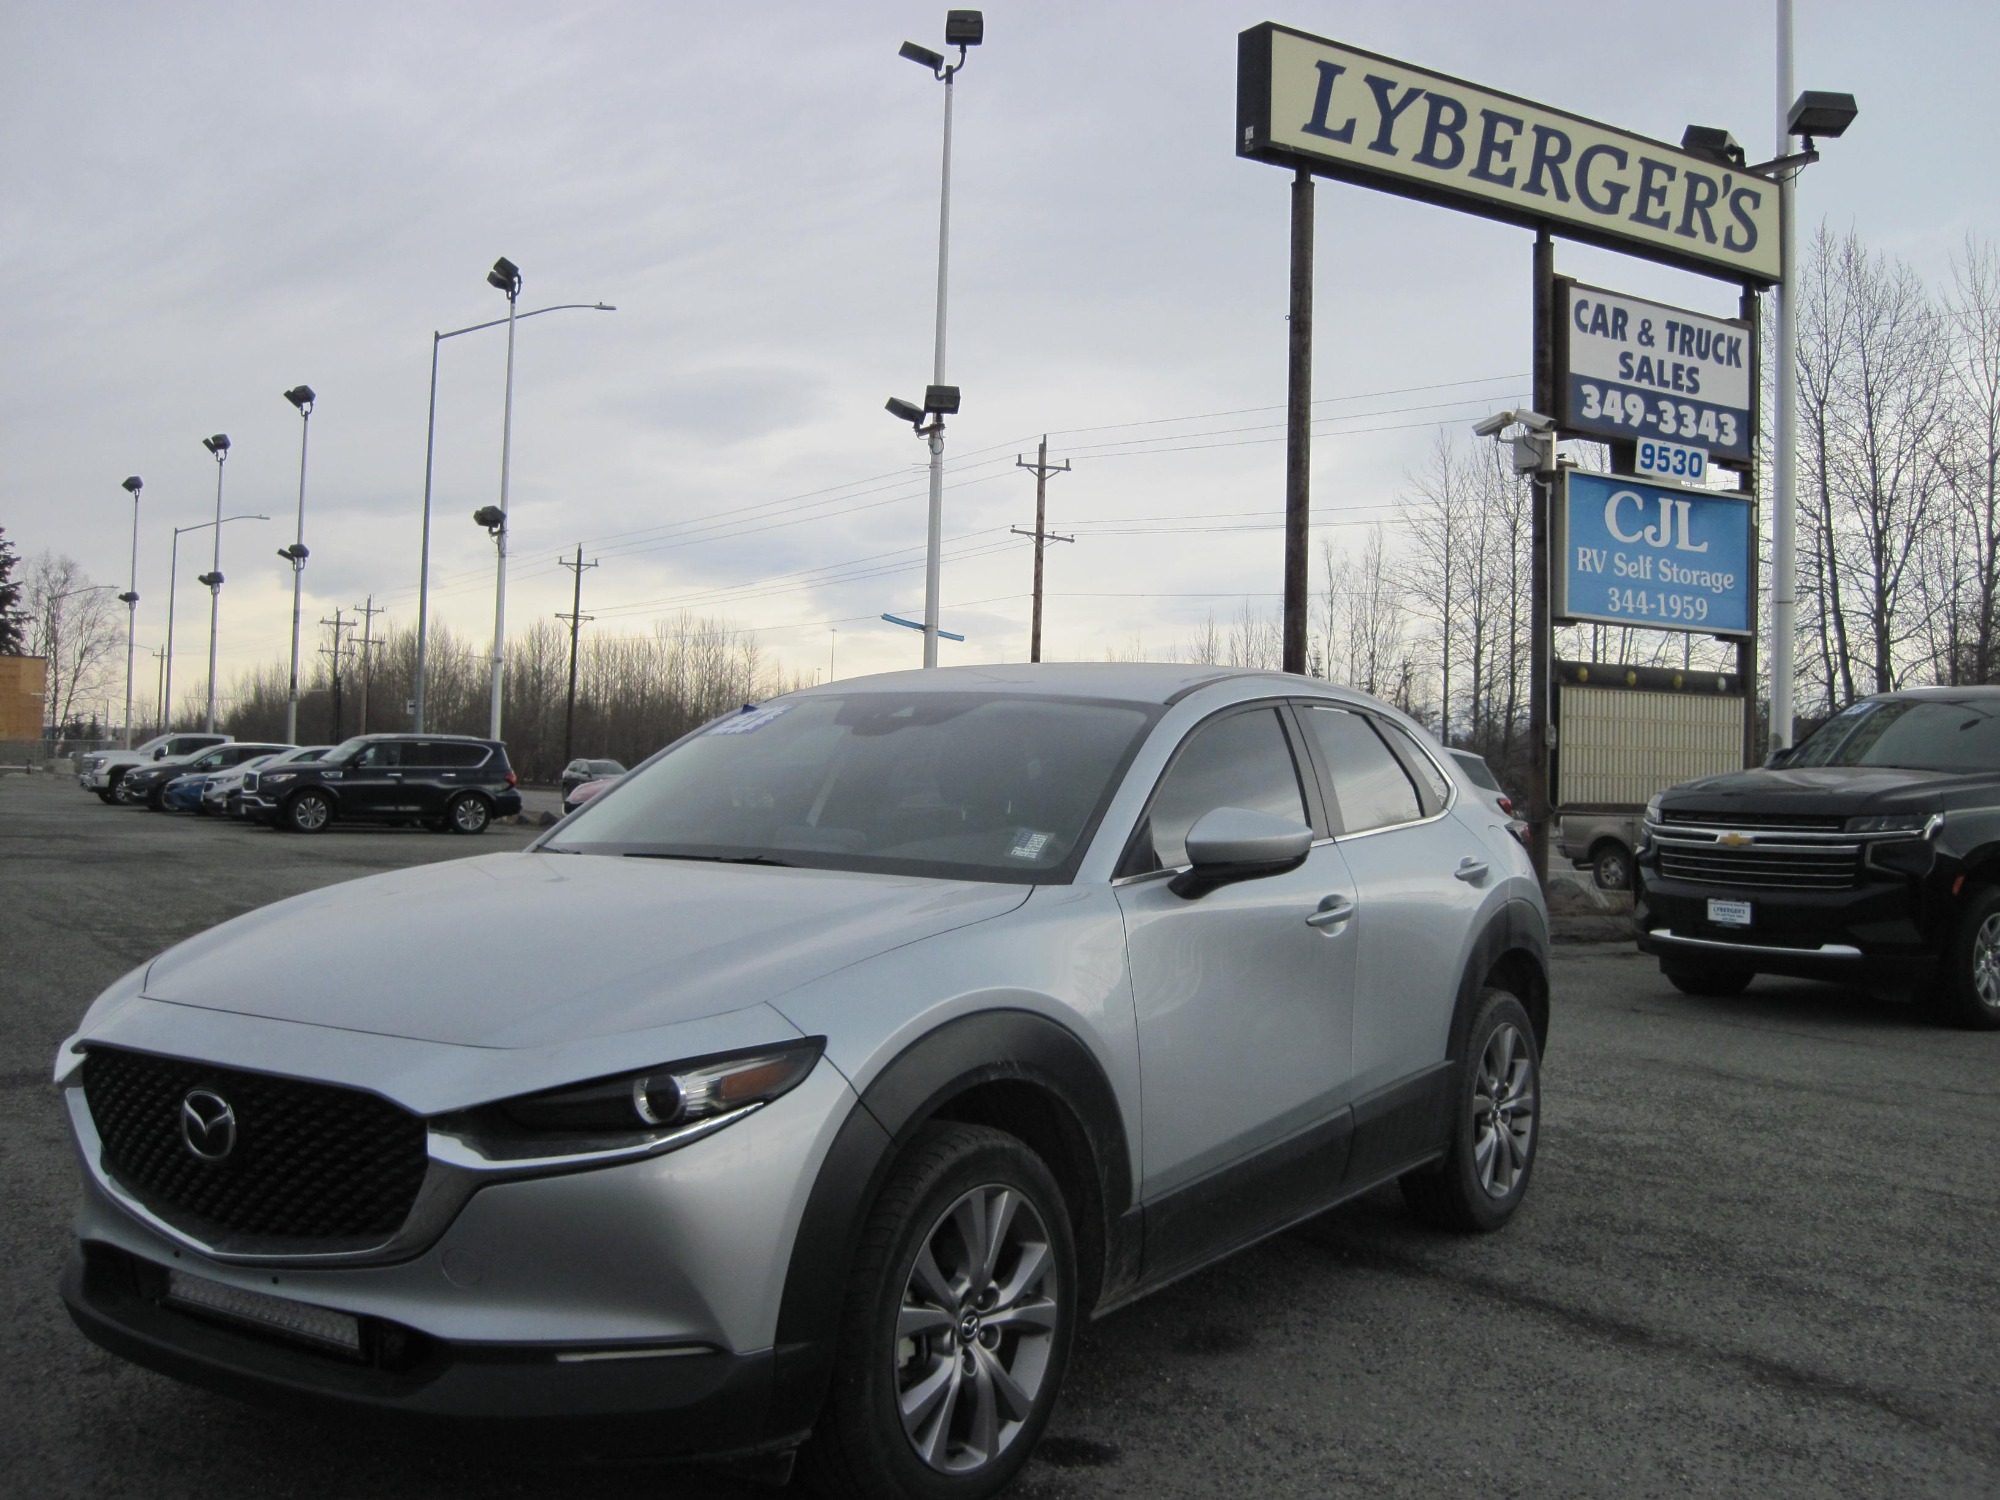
{"points": [[964, 785], [1476, 769], [460, 755], [209, 761], [1370, 785], [382, 753], [1430, 776], [1916, 734], [1243, 760], [604, 768]]}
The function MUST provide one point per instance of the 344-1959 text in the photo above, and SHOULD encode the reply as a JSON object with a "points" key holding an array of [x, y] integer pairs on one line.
{"points": [[1655, 605]]}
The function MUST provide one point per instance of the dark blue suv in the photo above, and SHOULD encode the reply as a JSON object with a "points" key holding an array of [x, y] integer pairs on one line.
{"points": [[449, 783]]}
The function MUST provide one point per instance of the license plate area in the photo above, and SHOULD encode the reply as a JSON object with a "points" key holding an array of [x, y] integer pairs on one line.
{"points": [[1728, 913], [320, 1327]]}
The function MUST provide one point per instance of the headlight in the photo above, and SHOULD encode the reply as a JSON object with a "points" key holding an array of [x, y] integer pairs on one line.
{"points": [[1918, 823], [278, 777], [652, 1108], [1652, 810]]}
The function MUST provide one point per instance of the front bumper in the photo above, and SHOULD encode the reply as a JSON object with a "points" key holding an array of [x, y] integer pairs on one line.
{"points": [[634, 1306], [1872, 935]]}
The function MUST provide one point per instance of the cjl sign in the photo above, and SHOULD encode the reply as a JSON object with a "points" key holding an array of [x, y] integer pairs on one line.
{"points": [[1631, 553]]}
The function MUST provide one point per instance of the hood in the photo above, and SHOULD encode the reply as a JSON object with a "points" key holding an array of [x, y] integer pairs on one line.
{"points": [[528, 950], [1808, 791]]}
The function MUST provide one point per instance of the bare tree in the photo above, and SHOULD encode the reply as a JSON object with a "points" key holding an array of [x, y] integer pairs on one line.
{"points": [[72, 623], [1970, 560]]}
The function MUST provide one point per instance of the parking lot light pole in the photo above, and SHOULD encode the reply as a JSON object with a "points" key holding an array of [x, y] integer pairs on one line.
{"points": [[130, 597], [173, 580], [506, 276], [430, 453], [494, 519], [963, 29], [219, 447], [302, 397]]}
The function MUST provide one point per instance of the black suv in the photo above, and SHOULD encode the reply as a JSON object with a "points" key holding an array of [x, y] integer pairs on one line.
{"points": [[1868, 855], [449, 783]]}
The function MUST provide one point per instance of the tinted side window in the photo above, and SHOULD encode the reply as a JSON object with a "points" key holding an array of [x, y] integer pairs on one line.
{"points": [[1369, 784], [457, 755], [387, 753], [1239, 761]]}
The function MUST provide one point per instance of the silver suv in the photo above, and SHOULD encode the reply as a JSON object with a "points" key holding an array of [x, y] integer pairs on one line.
{"points": [[807, 1089]]}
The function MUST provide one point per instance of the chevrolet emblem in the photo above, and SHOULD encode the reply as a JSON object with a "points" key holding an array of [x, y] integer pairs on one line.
{"points": [[1735, 840]]}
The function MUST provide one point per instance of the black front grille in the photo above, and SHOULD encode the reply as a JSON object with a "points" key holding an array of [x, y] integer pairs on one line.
{"points": [[1793, 867], [1790, 822], [310, 1161]]}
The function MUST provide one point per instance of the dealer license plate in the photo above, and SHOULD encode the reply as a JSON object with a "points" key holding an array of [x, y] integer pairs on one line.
{"points": [[1729, 913]]}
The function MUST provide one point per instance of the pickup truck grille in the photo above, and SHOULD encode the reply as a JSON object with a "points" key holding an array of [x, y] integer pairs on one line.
{"points": [[1757, 857]]}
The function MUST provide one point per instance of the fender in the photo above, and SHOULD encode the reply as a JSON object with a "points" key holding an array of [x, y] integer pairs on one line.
{"points": [[1008, 1046]]}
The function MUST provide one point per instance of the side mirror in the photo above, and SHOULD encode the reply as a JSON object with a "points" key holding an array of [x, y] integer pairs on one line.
{"points": [[1228, 844], [159, 754]]}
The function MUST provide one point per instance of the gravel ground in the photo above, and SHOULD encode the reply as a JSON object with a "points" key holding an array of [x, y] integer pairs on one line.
{"points": [[1756, 1257]]}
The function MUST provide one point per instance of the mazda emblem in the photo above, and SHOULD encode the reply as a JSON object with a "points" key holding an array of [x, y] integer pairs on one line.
{"points": [[208, 1125]]}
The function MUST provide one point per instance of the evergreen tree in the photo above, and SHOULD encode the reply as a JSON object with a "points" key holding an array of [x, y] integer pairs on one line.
{"points": [[13, 626]]}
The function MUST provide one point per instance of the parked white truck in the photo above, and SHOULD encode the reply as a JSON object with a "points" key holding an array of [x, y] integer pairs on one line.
{"points": [[101, 770]]}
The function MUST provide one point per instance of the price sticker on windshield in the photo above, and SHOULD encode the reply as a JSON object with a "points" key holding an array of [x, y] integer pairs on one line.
{"points": [[1671, 460]]}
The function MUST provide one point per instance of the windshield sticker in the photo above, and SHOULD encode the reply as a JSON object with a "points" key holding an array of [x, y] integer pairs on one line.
{"points": [[751, 720], [1029, 844]]}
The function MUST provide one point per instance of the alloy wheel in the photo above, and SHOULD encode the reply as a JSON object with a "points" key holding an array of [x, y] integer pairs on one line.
{"points": [[469, 815], [309, 814], [976, 1329], [1986, 962], [1503, 1111]]}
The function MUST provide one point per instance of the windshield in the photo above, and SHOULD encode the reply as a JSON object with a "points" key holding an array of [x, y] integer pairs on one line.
{"points": [[1925, 735], [962, 785]]}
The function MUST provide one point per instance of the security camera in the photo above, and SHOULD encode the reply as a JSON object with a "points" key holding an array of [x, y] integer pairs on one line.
{"points": [[1494, 425], [1534, 421]]}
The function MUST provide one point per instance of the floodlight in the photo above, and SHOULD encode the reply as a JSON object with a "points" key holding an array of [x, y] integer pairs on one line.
{"points": [[1714, 144], [492, 517], [213, 580], [296, 552], [942, 399], [505, 275], [904, 411], [134, 484], [218, 445], [300, 396], [964, 28], [128, 598], [1818, 113], [932, 60]]}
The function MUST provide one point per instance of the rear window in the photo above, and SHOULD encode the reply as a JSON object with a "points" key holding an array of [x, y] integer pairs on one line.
{"points": [[1476, 770], [455, 755]]}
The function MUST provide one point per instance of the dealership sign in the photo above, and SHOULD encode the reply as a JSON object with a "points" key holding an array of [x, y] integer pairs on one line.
{"points": [[1635, 370], [1631, 553], [1336, 111]]}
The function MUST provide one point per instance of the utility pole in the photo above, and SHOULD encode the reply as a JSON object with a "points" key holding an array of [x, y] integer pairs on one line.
{"points": [[1042, 470], [338, 624], [368, 612], [576, 617]]}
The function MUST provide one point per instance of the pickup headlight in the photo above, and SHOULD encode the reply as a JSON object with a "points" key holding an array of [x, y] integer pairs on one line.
{"points": [[1652, 810], [649, 1109], [1913, 823]]}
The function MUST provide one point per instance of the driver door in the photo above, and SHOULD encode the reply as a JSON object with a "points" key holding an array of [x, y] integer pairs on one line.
{"points": [[1245, 1010]]}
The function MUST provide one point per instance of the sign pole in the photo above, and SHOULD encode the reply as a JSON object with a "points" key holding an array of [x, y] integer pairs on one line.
{"points": [[1540, 628], [1746, 649], [1298, 426]]}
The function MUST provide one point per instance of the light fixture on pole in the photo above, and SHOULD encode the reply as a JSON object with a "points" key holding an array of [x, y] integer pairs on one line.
{"points": [[962, 29], [219, 447], [430, 451], [506, 276], [173, 581], [1808, 115], [130, 598], [301, 396]]}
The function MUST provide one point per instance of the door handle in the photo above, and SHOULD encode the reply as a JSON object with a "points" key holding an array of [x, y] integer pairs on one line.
{"points": [[1471, 870], [1333, 912]]}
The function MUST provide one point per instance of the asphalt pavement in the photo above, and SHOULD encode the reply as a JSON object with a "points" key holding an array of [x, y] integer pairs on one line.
{"points": [[1756, 1258]]}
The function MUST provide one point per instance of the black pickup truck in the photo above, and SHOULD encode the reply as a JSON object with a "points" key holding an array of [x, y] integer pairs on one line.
{"points": [[1869, 855]]}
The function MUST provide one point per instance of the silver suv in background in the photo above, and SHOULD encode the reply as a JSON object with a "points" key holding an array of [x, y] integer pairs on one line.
{"points": [[101, 770], [811, 1088]]}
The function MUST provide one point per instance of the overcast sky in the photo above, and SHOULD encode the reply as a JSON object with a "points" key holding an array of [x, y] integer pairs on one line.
{"points": [[205, 204]]}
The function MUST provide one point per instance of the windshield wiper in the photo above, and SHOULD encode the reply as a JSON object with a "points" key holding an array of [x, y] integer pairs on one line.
{"points": [[713, 859]]}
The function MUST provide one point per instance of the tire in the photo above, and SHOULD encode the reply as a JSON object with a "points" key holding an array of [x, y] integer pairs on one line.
{"points": [[1716, 981], [106, 797], [309, 811], [468, 814], [1969, 994], [905, 1330], [1611, 867], [1495, 1124]]}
